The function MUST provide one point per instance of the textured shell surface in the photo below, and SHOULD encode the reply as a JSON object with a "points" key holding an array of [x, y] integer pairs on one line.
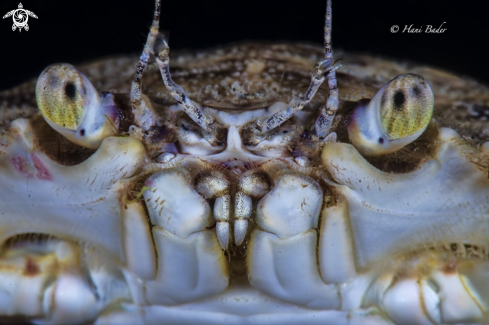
{"points": [[258, 182]]}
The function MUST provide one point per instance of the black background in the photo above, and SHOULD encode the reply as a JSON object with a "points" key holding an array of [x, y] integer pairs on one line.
{"points": [[78, 31]]}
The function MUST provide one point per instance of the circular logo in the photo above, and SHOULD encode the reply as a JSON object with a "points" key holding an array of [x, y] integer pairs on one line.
{"points": [[20, 18]]}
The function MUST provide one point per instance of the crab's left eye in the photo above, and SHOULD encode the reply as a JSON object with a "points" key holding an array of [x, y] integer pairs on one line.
{"points": [[73, 107], [396, 116]]}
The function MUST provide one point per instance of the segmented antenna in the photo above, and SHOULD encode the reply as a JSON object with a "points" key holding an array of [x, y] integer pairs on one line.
{"points": [[328, 50], [323, 68], [145, 57], [327, 113], [192, 109], [296, 104]]}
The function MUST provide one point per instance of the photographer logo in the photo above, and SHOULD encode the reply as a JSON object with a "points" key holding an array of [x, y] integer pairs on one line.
{"points": [[20, 17]]}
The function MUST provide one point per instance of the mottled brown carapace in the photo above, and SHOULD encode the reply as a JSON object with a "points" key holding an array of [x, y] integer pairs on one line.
{"points": [[254, 75]]}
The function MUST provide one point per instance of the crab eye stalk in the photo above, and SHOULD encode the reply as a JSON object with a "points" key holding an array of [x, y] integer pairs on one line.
{"points": [[396, 116], [72, 106]]}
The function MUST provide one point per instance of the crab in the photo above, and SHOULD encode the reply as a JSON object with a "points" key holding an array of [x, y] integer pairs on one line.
{"points": [[252, 183]]}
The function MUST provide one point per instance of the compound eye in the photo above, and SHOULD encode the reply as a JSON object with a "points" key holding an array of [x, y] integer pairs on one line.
{"points": [[73, 107], [406, 106], [396, 116], [61, 96]]}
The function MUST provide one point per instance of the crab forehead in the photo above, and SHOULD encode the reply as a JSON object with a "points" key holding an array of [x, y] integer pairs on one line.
{"points": [[242, 77]]}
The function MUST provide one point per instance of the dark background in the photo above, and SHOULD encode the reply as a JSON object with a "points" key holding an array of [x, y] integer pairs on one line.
{"points": [[78, 31]]}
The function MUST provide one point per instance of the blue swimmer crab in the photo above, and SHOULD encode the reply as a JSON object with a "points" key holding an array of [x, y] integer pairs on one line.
{"points": [[204, 194]]}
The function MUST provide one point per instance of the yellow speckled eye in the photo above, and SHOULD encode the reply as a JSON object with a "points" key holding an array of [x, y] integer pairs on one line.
{"points": [[73, 107], [406, 106], [60, 95], [396, 116]]}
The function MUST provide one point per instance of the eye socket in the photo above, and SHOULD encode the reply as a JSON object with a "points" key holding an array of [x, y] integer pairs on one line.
{"points": [[60, 93], [276, 142], [195, 141], [396, 116], [73, 107]]}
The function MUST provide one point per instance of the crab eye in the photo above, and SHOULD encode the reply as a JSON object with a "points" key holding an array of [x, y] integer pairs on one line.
{"points": [[73, 107], [396, 116]]}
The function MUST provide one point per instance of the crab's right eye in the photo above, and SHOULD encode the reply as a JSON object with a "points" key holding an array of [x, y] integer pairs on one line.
{"points": [[396, 116], [73, 107]]}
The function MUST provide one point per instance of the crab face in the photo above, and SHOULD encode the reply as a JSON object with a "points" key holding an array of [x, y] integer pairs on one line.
{"points": [[242, 190]]}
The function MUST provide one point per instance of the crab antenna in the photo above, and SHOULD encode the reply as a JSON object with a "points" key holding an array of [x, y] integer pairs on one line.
{"points": [[326, 116], [328, 50], [192, 109], [143, 60], [296, 104]]}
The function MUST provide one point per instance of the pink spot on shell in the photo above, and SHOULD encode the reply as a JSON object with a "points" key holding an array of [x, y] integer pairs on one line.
{"points": [[149, 182], [42, 172], [21, 165]]}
